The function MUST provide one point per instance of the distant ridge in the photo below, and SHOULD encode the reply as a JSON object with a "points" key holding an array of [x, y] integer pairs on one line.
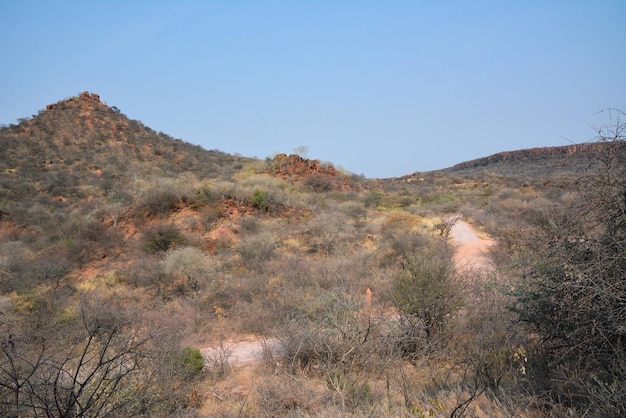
{"points": [[575, 159], [584, 150]]}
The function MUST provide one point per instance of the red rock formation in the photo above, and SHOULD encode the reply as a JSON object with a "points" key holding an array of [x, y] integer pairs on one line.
{"points": [[84, 99], [294, 168]]}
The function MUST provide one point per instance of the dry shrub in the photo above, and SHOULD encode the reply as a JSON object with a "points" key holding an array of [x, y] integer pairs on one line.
{"points": [[328, 233], [248, 225], [400, 220], [355, 211], [258, 248], [162, 237], [158, 202], [319, 183], [283, 396], [190, 264]]}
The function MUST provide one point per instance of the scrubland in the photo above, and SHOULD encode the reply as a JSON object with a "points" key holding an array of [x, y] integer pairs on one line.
{"points": [[114, 281]]}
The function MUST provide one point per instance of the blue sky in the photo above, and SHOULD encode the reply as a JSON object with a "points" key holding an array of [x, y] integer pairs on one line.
{"points": [[380, 88]]}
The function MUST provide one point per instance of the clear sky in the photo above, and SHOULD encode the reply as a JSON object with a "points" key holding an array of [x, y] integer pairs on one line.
{"points": [[380, 88]]}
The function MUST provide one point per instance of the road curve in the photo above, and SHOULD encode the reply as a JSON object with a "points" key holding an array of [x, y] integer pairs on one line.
{"points": [[472, 250], [470, 253]]}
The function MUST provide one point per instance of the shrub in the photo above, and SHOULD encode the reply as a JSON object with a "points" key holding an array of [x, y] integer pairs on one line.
{"points": [[330, 335], [373, 199], [258, 247], [328, 231], [189, 262], [162, 238], [355, 211], [260, 200], [426, 294], [574, 290], [160, 202], [188, 362], [49, 270], [319, 183], [248, 225], [400, 221]]}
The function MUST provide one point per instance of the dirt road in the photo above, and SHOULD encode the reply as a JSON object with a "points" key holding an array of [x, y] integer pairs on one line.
{"points": [[239, 352], [470, 253]]}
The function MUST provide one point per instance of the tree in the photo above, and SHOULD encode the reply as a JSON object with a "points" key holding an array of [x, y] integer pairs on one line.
{"points": [[574, 292], [301, 150]]}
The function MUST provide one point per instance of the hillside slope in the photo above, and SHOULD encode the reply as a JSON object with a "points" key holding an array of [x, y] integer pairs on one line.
{"points": [[80, 142]]}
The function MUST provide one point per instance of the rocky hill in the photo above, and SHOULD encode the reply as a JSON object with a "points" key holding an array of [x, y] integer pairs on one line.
{"points": [[573, 158], [81, 140]]}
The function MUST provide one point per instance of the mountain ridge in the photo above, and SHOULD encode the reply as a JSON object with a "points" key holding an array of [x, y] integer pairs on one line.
{"points": [[532, 154]]}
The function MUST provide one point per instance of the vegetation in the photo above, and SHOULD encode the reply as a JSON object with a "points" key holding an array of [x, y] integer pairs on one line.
{"points": [[126, 254], [426, 296], [573, 293]]}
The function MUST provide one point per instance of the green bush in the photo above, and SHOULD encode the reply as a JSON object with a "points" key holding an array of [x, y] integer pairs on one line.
{"points": [[373, 199], [260, 200], [188, 362]]}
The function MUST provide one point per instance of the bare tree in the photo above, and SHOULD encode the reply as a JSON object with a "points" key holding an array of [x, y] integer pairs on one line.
{"points": [[104, 374], [446, 223]]}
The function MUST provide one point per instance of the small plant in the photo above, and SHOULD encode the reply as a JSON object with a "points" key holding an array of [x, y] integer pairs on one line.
{"points": [[188, 362], [260, 200]]}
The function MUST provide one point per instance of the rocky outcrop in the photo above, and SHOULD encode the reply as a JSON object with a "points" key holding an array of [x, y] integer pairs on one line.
{"points": [[320, 177], [85, 99], [284, 165]]}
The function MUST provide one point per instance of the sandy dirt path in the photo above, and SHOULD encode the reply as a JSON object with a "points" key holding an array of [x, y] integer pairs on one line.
{"points": [[471, 253], [471, 249], [241, 351]]}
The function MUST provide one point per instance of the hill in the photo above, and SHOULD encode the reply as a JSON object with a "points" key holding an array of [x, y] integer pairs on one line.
{"points": [[82, 142], [575, 158], [126, 254]]}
